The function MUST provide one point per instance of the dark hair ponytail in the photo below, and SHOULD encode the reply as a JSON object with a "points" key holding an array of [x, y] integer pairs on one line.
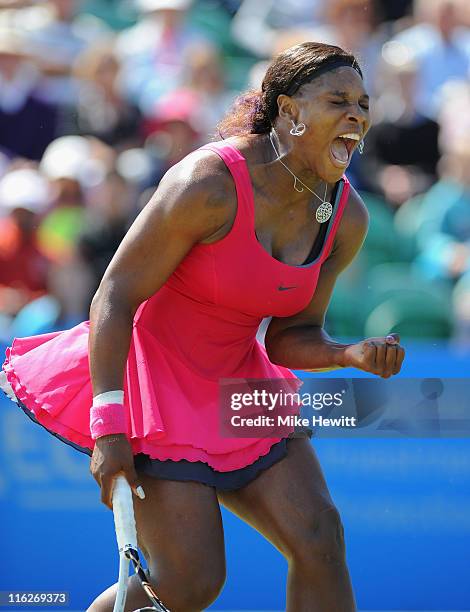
{"points": [[247, 116], [255, 111]]}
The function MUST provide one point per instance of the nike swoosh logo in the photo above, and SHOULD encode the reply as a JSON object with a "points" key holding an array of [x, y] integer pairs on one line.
{"points": [[281, 288], [98, 422]]}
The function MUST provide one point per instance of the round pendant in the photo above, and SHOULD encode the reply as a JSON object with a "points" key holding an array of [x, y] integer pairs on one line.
{"points": [[324, 212]]}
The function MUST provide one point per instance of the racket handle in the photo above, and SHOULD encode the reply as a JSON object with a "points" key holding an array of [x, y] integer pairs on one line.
{"points": [[123, 510]]}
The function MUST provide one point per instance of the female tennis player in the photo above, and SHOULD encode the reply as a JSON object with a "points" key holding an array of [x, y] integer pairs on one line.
{"points": [[259, 224]]}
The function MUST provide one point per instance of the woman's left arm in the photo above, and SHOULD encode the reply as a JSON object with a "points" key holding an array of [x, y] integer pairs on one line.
{"points": [[300, 342]]}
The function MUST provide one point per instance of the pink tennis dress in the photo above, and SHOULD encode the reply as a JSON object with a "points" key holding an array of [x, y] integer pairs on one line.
{"points": [[198, 328]]}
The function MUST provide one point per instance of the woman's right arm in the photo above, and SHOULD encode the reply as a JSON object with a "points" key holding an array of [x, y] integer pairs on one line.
{"points": [[188, 207]]}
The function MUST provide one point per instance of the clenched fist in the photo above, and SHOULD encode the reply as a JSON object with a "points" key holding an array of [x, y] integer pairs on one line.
{"points": [[382, 356]]}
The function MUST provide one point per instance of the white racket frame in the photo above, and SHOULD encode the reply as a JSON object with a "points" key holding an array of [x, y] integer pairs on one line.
{"points": [[126, 535]]}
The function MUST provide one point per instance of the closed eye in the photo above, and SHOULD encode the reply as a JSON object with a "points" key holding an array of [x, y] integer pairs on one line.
{"points": [[363, 105]]}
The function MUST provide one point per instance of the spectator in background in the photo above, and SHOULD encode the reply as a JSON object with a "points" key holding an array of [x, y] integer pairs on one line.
{"points": [[56, 36], [440, 41], [67, 166], [203, 75], [444, 233], [256, 25], [402, 151], [106, 224], [444, 229], [353, 25], [350, 24], [24, 197], [152, 51], [27, 123], [101, 109], [76, 168], [173, 131]]}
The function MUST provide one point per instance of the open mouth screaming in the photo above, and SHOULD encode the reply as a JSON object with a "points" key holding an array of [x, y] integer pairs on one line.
{"points": [[342, 148]]}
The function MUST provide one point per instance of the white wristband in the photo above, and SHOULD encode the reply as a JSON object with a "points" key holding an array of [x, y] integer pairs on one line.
{"points": [[109, 397]]}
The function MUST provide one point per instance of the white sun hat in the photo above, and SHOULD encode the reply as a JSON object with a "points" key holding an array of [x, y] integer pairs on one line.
{"points": [[72, 157], [24, 188]]}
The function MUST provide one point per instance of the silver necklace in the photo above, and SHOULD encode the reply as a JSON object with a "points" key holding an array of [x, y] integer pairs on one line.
{"points": [[325, 209]]}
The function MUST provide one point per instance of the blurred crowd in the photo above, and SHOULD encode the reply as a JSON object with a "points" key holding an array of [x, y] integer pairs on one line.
{"points": [[98, 98]]}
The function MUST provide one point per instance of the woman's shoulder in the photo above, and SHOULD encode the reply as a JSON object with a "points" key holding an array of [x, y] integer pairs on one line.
{"points": [[203, 174], [197, 191], [200, 170]]}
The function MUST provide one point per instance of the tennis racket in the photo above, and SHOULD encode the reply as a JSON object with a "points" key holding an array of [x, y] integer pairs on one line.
{"points": [[126, 536]]}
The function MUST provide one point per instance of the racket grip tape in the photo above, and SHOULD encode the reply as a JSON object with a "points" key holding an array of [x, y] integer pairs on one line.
{"points": [[123, 509]]}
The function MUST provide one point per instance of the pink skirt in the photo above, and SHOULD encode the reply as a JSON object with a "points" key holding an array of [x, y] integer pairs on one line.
{"points": [[173, 413]]}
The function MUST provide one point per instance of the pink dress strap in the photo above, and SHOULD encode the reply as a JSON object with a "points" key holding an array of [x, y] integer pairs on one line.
{"points": [[345, 187]]}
